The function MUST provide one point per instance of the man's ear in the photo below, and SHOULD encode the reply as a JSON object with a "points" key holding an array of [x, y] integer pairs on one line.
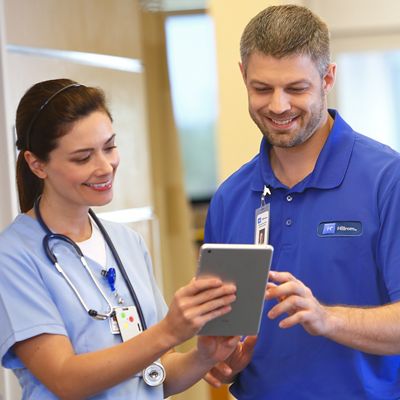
{"points": [[36, 165], [329, 78], [243, 72]]}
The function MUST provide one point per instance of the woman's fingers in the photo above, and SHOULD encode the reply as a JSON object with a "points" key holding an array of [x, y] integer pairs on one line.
{"points": [[198, 285], [210, 298], [199, 302]]}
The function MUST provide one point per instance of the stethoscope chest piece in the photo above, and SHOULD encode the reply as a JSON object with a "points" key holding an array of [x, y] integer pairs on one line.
{"points": [[154, 375]]}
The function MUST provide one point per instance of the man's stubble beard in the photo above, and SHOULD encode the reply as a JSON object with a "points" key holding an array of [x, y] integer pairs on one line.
{"points": [[301, 136]]}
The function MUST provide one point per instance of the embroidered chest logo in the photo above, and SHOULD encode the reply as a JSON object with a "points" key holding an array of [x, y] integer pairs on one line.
{"points": [[339, 228]]}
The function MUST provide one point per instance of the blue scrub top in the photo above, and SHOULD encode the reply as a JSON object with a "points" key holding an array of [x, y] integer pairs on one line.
{"points": [[338, 232], [36, 299]]}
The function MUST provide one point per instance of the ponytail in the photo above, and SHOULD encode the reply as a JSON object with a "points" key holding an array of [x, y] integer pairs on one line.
{"points": [[28, 184]]}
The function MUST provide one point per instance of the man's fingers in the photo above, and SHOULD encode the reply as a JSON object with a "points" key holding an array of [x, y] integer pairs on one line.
{"points": [[218, 374], [287, 289], [249, 343], [290, 305], [212, 380], [280, 277]]}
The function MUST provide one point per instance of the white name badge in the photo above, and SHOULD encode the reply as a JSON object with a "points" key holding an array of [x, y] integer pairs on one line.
{"points": [[128, 322], [262, 224]]}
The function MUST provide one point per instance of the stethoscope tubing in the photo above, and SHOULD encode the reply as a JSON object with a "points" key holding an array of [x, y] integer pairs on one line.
{"points": [[154, 374], [46, 245], [51, 256]]}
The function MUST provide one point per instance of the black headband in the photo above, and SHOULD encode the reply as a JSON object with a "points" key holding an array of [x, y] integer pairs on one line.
{"points": [[29, 131]]}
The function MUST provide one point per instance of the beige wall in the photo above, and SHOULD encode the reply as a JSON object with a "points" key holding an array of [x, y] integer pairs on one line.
{"points": [[150, 173], [178, 253], [98, 26], [95, 26], [237, 137]]}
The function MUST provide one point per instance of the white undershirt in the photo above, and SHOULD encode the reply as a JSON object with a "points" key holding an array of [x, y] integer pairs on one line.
{"points": [[95, 246]]}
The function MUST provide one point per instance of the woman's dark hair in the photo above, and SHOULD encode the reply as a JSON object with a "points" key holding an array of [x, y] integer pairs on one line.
{"points": [[45, 113]]}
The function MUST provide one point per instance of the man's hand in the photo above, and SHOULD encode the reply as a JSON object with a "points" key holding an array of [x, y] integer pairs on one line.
{"points": [[374, 330], [296, 300], [225, 371]]}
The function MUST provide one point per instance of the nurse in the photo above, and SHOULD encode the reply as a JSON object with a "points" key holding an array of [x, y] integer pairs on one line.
{"points": [[71, 327]]}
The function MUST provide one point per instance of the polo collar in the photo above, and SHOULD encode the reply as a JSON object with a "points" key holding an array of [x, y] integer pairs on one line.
{"points": [[329, 170]]}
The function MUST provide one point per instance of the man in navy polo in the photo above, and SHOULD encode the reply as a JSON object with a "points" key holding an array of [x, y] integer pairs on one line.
{"points": [[330, 201]]}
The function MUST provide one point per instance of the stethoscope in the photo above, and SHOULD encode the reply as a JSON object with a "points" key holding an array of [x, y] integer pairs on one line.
{"points": [[154, 374]]}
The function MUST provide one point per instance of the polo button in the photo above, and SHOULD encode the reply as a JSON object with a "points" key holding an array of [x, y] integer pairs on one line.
{"points": [[289, 222], [289, 197]]}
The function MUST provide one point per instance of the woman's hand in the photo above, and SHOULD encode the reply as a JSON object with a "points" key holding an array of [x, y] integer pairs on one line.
{"points": [[193, 305]]}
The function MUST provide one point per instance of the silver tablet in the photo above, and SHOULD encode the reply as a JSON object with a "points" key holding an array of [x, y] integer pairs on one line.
{"points": [[247, 265]]}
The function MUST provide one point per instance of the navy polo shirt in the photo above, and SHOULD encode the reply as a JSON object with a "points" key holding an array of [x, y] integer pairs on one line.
{"points": [[338, 231]]}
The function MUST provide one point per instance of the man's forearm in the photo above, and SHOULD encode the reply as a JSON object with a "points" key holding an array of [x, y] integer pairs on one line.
{"points": [[371, 330]]}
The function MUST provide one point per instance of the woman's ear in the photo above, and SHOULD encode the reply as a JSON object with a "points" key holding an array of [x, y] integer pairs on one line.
{"points": [[36, 165]]}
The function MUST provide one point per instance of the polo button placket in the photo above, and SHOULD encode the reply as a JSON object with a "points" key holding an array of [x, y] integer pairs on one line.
{"points": [[289, 221]]}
